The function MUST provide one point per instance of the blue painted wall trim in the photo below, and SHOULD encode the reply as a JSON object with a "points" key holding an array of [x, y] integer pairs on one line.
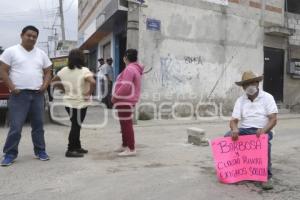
{"points": [[116, 55]]}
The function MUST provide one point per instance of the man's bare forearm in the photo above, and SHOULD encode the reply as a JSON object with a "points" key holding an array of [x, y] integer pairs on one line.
{"points": [[272, 122], [56, 83], [233, 124], [5, 77], [47, 78], [8, 82], [92, 87]]}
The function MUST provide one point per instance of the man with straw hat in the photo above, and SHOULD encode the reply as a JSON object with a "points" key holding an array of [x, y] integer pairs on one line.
{"points": [[257, 112]]}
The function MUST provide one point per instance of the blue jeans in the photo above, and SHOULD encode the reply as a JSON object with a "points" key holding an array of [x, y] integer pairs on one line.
{"points": [[26, 103], [252, 131]]}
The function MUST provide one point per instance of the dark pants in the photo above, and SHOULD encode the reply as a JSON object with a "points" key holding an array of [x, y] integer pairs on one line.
{"points": [[125, 118], [76, 117], [107, 98], [252, 131], [26, 103]]}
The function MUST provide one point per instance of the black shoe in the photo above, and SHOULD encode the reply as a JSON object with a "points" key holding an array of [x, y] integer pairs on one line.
{"points": [[73, 154], [81, 150]]}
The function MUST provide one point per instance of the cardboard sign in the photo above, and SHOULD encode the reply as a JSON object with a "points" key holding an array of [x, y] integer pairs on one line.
{"points": [[244, 159]]}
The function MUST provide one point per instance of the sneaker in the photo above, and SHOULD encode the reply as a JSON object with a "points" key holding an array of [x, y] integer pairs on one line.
{"points": [[42, 155], [127, 153], [73, 154], [267, 185], [7, 160], [120, 149], [81, 150]]}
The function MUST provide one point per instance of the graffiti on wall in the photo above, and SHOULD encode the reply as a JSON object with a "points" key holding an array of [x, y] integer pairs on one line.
{"points": [[177, 74], [193, 60]]}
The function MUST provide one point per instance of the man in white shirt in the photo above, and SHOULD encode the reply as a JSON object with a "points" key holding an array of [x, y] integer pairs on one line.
{"points": [[108, 72], [26, 70], [100, 80], [101, 63], [257, 112]]}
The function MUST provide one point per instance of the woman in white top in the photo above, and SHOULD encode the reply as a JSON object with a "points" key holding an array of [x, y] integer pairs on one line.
{"points": [[78, 84]]}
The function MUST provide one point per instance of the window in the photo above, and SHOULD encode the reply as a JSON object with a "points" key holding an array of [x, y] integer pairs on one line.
{"points": [[293, 6], [82, 4], [124, 3]]}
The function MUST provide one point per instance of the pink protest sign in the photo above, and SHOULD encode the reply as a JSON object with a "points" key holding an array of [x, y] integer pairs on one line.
{"points": [[244, 159]]}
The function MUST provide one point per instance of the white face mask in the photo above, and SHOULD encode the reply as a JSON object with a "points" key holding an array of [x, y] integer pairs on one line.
{"points": [[251, 90]]}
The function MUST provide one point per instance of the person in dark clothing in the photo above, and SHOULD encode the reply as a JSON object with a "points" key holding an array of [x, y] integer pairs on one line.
{"points": [[78, 84]]}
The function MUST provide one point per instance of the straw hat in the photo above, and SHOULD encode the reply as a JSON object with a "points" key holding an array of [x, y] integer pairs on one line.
{"points": [[249, 77]]}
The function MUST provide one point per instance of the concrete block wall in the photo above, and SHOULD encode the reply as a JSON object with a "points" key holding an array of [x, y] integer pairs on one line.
{"points": [[271, 12], [291, 85], [90, 12], [274, 12], [200, 51], [294, 23], [292, 93], [85, 9]]}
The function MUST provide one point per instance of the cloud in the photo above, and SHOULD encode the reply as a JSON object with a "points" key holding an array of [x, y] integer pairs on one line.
{"points": [[15, 14]]}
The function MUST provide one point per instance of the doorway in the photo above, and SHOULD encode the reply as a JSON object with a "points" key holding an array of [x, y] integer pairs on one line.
{"points": [[273, 72]]}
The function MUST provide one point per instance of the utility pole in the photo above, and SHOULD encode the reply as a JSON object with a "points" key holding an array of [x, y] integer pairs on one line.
{"points": [[54, 38], [133, 25], [62, 20], [133, 34]]}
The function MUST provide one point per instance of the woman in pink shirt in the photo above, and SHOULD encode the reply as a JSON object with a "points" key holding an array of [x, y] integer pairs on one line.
{"points": [[126, 94]]}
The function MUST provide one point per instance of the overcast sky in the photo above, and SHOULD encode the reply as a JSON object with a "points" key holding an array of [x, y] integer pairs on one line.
{"points": [[15, 14]]}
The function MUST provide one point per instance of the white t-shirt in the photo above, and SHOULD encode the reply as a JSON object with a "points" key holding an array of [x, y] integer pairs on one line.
{"points": [[99, 68], [26, 67], [100, 78], [254, 114], [108, 70], [75, 86]]}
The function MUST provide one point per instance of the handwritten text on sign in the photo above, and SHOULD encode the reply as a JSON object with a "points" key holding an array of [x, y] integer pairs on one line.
{"points": [[244, 159]]}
